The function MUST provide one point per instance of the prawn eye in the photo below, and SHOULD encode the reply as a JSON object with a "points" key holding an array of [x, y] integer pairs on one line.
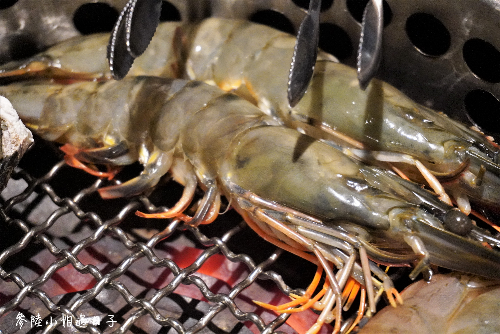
{"points": [[457, 222]]}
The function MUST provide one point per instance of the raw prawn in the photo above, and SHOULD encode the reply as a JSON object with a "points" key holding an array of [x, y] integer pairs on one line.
{"points": [[379, 125], [334, 108], [292, 189], [459, 304]]}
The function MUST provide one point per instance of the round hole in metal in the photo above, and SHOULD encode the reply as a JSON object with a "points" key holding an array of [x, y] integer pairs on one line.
{"points": [[273, 19], [22, 46], [484, 110], [169, 12], [333, 39], [95, 17], [4, 4], [483, 59], [357, 7], [325, 4], [428, 34]]}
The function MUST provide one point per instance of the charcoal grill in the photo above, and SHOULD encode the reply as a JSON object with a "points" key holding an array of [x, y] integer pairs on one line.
{"points": [[67, 254], [109, 264]]}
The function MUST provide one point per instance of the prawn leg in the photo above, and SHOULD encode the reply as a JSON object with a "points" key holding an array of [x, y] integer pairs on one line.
{"points": [[114, 154], [291, 237], [157, 165], [185, 176], [297, 300], [71, 159]]}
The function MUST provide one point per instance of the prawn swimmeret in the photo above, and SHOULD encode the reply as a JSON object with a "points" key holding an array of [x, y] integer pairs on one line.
{"points": [[379, 125], [295, 191]]}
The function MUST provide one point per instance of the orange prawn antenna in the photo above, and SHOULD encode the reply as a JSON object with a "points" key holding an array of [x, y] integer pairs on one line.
{"points": [[310, 303], [361, 310], [392, 293], [354, 288], [277, 242], [394, 297], [298, 300], [399, 172], [486, 220], [347, 289], [181, 216]]}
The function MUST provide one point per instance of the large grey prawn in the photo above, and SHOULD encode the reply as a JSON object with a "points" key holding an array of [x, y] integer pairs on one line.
{"points": [[379, 125], [295, 191]]}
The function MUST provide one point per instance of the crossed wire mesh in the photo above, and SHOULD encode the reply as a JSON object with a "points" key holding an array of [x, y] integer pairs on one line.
{"points": [[88, 228]]}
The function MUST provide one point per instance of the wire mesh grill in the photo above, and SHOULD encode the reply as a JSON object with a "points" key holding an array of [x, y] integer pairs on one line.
{"points": [[71, 244]]}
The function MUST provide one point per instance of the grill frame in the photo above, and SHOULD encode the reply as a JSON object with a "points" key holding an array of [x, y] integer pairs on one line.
{"points": [[445, 81]]}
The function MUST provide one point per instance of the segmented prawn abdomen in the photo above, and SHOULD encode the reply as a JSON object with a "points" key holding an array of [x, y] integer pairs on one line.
{"points": [[52, 110], [272, 85], [205, 48], [86, 54], [116, 111], [212, 129], [165, 54], [76, 57], [184, 100], [380, 117], [235, 46]]}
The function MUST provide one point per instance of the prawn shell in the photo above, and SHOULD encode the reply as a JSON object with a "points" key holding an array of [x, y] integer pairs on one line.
{"points": [[305, 174], [447, 304], [390, 121]]}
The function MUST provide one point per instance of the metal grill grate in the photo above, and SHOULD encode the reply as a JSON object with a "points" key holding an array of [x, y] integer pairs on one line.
{"points": [[75, 245]]}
